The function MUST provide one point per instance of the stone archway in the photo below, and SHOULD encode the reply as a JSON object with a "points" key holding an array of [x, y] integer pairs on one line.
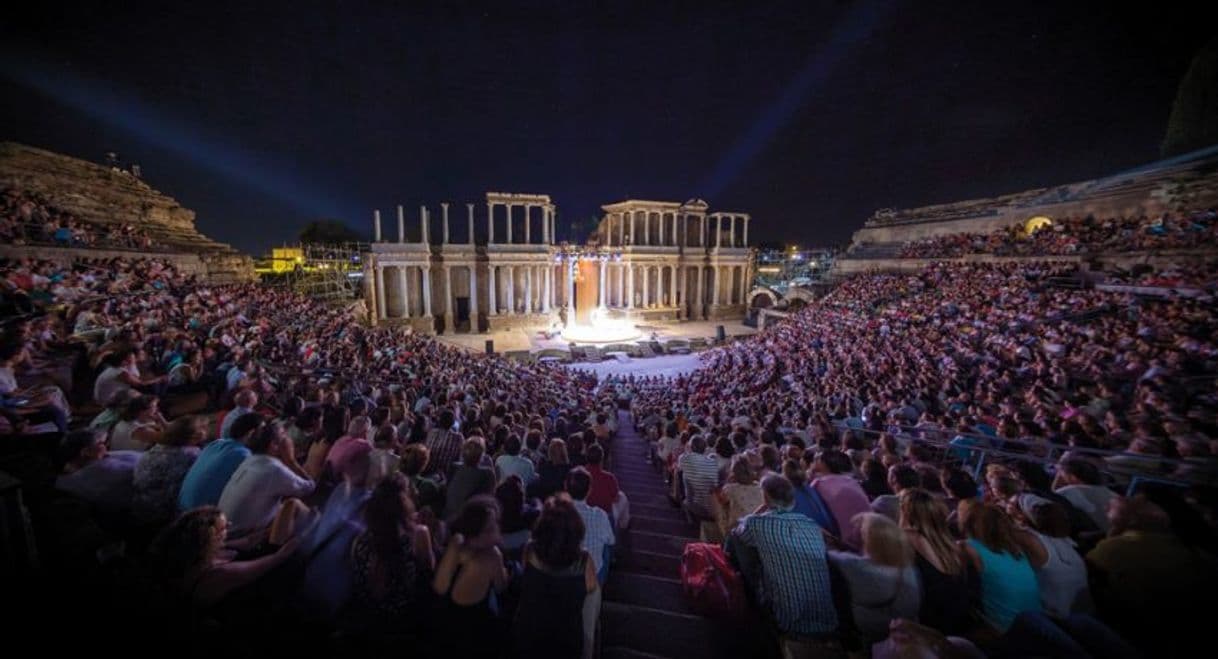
{"points": [[762, 298], [803, 295], [1034, 224]]}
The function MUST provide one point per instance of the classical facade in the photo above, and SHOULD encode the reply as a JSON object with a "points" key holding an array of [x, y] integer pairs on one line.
{"points": [[648, 261]]}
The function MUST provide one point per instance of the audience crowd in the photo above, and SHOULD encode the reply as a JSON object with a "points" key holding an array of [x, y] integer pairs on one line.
{"points": [[25, 219], [953, 459], [1076, 235]]}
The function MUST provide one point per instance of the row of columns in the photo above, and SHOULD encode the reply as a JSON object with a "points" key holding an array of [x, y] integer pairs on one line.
{"points": [[623, 230], [627, 285], [547, 226], [532, 285]]}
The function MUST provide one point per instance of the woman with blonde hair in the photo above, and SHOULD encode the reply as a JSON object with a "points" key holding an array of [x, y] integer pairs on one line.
{"points": [[947, 579], [883, 582], [739, 497]]}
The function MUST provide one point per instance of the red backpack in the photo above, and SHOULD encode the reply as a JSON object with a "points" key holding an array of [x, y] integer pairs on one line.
{"points": [[713, 586]]}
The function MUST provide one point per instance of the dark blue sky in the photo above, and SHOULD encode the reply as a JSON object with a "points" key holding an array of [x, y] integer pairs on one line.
{"points": [[809, 115]]}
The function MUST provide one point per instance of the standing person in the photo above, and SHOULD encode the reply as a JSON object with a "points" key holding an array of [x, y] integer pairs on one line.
{"points": [[558, 577], [468, 477], [604, 491]]}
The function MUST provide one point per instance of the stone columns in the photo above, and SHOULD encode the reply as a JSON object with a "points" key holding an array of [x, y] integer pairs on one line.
{"points": [[401, 224], [379, 285], [492, 306], [715, 285], [672, 286], [490, 223], [444, 214], [508, 207], [426, 291], [646, 272], [405, 292], [633, 238], [621, 229], [448, 298], [509, 289], [630, 286], [662, 223], [547, 286], [545, 225], [570, 271], [731, 238], [376, 226], [718, 232], [682, 285], [473, 291], [696, 307], [746, 231], [470, 209], [676, 225], [423, 224], [604, 289], [528, 283], [528, 229]]}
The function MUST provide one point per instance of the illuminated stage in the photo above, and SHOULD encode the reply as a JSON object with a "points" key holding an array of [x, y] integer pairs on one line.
{"points": [[601, 329]]}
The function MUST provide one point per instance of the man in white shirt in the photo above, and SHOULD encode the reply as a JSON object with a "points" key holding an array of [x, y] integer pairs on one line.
{"points": [[254, 495], [598, 534], [1079, 481]]}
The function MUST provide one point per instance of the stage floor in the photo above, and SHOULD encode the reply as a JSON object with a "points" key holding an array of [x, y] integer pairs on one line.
{"points": [[534, 341]]}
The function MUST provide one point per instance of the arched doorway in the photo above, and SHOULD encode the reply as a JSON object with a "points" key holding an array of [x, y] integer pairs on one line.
{"points": [[1034, 224]]}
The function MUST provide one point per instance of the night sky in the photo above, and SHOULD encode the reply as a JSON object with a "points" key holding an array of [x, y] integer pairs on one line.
{"points": [[808, 115]]}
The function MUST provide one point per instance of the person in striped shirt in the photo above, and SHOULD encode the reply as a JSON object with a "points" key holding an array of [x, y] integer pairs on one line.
{"points": [[793, 580]]}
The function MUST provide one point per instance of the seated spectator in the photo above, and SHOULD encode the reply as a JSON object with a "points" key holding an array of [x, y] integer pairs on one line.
{"points": [[552, 474], [604, 491], [791, 576], [740, 496], [391, 560], [245, 402], [1080, 482], [947, 577], [559, 576], [807, 500], [385, 458], [210, 473], [268, 482], [469, 577], [91, 472], [842, 494], [121, 373], [516, 516], [883, 582], [1144, 577], [191, 554], [428, 492], [901, 477], [140, 425], [161, 469], [444, 445], [1061, 573], [598, 529], [512, 463], [875, 482], [1008, 582], [468, 477], [699, 479]]}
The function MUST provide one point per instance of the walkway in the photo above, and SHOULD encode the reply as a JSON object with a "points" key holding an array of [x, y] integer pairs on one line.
{"points": [[645, 613]]}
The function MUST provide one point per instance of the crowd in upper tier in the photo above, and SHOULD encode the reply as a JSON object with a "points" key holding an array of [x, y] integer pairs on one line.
{"points": [[26, 219], [1076, 235]]}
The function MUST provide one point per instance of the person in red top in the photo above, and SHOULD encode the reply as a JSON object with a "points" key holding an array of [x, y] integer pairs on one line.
{"points": [[603, 491]]}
